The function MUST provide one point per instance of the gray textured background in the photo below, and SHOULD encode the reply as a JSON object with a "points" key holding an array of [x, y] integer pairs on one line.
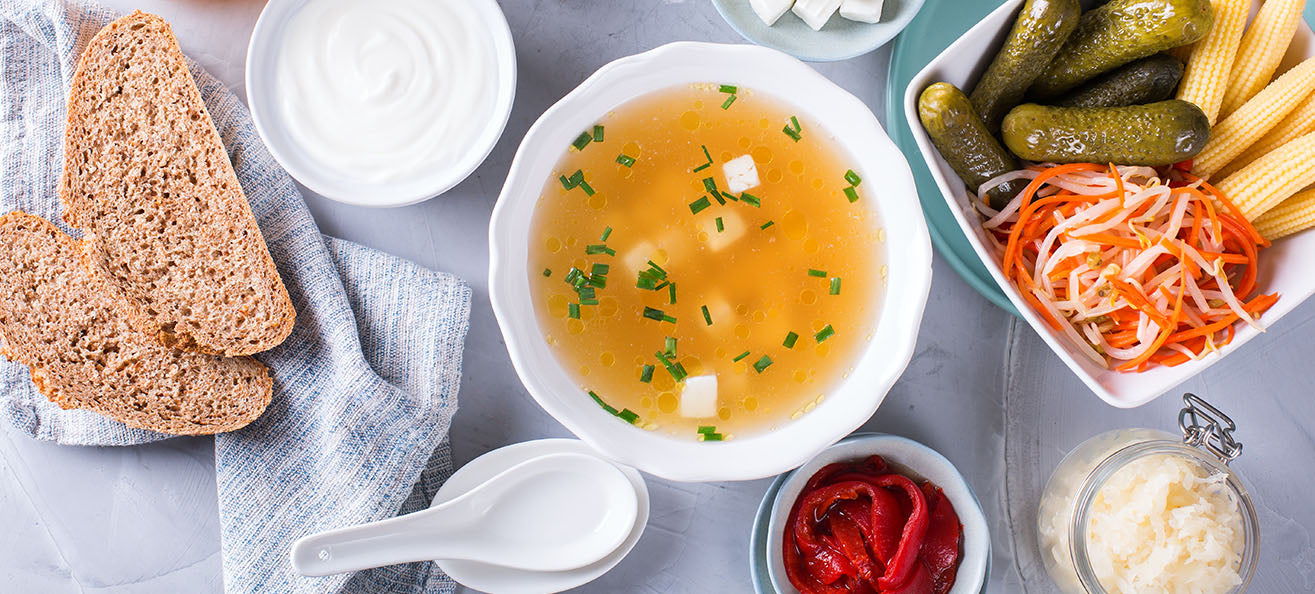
{"points": [[982, 388]]}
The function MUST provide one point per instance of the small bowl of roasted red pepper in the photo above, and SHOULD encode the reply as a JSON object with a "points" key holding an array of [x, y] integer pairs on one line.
{"points": [[877, 514]]}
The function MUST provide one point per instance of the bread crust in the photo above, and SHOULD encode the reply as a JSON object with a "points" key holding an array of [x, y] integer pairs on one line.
{"points": [[147, 178]]}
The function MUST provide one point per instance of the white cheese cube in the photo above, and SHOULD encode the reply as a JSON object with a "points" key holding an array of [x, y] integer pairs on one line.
{"points": [[733, 228], [815, 12], [741, 174], [770, 10], [698, 399], [863, 11]]}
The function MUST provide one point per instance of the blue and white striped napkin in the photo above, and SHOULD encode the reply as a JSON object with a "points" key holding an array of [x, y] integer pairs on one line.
{"points": [[364, 388]]}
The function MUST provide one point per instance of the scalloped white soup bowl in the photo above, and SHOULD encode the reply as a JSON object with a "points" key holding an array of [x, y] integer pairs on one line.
{"points": [[841, 116], [1284, 266]]}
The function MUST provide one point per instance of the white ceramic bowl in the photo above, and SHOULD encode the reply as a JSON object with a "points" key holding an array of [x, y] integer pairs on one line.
{"points": [[891, 193], [262, 70], [1284, 267], [912, 459]]}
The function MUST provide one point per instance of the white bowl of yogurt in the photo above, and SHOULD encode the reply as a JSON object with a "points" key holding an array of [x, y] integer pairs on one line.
{"points": [[383, 103]]}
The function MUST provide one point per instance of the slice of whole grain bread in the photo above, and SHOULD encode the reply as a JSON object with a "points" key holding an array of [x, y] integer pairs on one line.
{"points": [[59, 318], [146, 177]]}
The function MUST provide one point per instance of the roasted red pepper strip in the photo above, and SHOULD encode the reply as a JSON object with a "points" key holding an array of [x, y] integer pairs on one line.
{"points": [[942, 547], [919, 582], [901, 564], [850, 538]]}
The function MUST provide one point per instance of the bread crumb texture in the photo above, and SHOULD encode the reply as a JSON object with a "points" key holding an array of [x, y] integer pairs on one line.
{"points": [[78, 338], [147, 178]]}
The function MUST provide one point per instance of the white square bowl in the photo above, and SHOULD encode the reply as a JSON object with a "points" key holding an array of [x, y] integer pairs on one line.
{"points": [[1284, 266]]}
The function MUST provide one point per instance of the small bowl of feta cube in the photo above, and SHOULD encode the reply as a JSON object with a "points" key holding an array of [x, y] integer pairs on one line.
{"points": [[819, 30]]}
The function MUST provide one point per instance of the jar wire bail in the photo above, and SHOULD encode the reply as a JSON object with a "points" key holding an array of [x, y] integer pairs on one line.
{"points": [[1208, 428]]}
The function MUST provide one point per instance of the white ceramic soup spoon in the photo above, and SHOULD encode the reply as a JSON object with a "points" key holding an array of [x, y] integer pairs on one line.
{"points": [[552, 513]]}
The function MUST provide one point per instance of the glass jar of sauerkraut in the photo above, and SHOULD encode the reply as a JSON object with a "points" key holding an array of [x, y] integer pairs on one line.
{"points": [[1140, 510]]}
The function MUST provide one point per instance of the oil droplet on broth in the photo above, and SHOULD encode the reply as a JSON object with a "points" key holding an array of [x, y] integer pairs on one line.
{"points": [[761, 155], [774, 176], [689, 120], [807, 297], [607, 359], [646, 402], [741, 331], [558, 306], [574, 326], [724, 413], [744, 142], [607, 307], [810, 246], [584, 370], [597, 201], [797, 167], [794, 224], [750, 403], [667, 402], [553, 245]]}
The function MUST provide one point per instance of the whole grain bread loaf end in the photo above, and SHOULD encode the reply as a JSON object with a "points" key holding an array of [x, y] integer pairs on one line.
{"points": [[147, 179], [58, 318]]}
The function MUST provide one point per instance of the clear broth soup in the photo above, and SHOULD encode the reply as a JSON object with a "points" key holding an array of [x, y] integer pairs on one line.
{"points": [[647, 284]]}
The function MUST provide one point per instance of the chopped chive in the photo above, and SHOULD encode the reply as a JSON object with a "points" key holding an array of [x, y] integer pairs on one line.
{"points": [[678, 372], [654, 266], [720, 225], [835, 285], [582, 141], [707, 429], [707, 317], [598, 280], [702, 167], [647, 283], [699, 205], [610, 409], [607, 232], [576, 178], [706, 154], [730, 196], [720, 200], [547, 272], [586, 292], [791, 133], [600, 269], [598, 133], [762, 364], [740, 356], [628, 416], [671, 289], [566, 183], [729, 89], [625, 160], [588, 301], [751, 200], [588, 189], [573, 310], [817, 273], [710, 184], [851, 194], [795, 122], [710, 437], [572, 274], [646, 376], [853, 178], [669, 349], [790, 340], [653, 314], [669, 319], [767, 224], [824, 333], [727, 103], [599, 248], [595, 397], [662, 358], [661, 286]]}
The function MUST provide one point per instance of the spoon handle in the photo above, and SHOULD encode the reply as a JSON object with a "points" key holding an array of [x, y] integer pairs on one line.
{"points": [[403, 539]]}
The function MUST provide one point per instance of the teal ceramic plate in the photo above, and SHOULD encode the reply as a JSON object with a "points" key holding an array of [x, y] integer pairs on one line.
{"points": [[839, 39], [939, 24]]}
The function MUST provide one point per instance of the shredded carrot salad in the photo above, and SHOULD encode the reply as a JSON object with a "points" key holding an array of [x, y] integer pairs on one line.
{"points": [[1135, 267]]}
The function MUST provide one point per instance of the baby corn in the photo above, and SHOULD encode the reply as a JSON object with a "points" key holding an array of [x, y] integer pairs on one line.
{"points": [[1273, 178], [1206, 76], [1298, 123], [1262, 48], [1255, 118], [1292, 215]]}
